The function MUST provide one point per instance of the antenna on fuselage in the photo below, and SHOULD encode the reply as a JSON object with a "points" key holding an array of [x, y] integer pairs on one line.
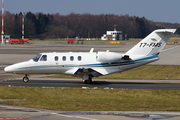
{"points": [[91, 51]]}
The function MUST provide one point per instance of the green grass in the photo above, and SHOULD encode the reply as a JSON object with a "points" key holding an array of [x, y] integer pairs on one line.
{"points": [[76, 99], [174, 39], [143, 72]]}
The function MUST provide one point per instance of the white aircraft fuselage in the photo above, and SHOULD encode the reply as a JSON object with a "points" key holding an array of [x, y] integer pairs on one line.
{"points": [[94, 64], [72, 64]]}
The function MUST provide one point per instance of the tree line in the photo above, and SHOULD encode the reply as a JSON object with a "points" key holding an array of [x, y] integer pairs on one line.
{"points": [[41, 25]]}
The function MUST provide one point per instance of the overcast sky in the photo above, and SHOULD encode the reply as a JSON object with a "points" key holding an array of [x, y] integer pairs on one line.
{"points": [[156, 10]]}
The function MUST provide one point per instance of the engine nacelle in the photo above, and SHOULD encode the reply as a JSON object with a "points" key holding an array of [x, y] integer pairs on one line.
{"points": [[108, 56]]}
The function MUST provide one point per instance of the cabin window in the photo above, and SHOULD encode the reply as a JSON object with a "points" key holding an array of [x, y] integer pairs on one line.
{"points": [[79, 58], [71, 58], [64, 58], [56, 58], [43, 58], [36, 58]]}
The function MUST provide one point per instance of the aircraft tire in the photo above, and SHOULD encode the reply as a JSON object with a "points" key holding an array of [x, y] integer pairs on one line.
{"points": [[89, 81], [25, 79]]}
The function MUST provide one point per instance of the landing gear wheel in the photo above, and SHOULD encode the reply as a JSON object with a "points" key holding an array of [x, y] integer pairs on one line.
{"points": [[25, 79], [89, 81]]}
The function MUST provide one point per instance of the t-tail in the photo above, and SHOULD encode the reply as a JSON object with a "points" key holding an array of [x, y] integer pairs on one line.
{"points": [[152, 44]]}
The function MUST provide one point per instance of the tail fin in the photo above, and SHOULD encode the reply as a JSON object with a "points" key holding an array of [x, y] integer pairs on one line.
{"points": [[152, 44]]}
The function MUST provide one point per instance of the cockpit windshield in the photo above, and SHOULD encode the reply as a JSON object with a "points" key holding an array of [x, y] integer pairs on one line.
{"points": [[36, 58]]}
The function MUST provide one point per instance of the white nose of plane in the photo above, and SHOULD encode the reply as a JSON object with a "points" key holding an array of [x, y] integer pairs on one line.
{"points": [[13, 68], [17, 68], [9, 69]]}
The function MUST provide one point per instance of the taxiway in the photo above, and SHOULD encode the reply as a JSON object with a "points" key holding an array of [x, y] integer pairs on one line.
{"points": [[97, 83]]}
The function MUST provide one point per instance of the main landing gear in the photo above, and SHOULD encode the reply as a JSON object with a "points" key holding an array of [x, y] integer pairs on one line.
{"points": [[25, 79], [87, 79]]}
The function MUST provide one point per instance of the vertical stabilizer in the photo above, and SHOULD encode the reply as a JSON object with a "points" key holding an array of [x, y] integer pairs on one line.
{"points": [[152, 44]]}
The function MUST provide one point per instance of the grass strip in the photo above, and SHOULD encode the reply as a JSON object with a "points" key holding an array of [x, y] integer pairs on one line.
{"points": [[77, 99], [143, 72]]}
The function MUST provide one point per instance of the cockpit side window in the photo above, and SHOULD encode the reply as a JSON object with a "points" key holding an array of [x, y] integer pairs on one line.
{"points": [[43, 58], [36, 58]]}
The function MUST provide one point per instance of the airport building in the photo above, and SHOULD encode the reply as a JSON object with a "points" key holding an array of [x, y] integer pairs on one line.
{"points": [[112, 35]]}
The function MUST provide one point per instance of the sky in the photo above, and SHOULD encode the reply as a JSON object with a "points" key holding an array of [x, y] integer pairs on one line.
{"points": [[155, 10]]}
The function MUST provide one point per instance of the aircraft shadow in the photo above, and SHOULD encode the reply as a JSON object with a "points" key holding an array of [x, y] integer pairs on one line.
{"points": [[111, 82]]}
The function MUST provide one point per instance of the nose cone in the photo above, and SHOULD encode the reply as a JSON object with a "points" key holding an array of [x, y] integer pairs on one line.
{"points": [[17, 68], [9, 69]]}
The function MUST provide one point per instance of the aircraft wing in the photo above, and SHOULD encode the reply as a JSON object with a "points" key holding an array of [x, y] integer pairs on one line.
{"points": [[72, 71], [88, 71], [105, 71], [95, 72]]}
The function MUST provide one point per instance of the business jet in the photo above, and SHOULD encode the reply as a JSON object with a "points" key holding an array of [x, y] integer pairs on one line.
{"points": [[94, 64]]}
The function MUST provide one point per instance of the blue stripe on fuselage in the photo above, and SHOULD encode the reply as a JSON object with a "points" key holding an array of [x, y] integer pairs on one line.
{"points": [[116, 63], [146, 58]]}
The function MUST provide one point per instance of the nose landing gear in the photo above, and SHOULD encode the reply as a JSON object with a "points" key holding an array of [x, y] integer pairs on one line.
{"points": [[25, 79]]}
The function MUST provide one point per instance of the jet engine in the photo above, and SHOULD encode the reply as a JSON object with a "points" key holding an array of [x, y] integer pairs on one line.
{"points": [[108, 56]]}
